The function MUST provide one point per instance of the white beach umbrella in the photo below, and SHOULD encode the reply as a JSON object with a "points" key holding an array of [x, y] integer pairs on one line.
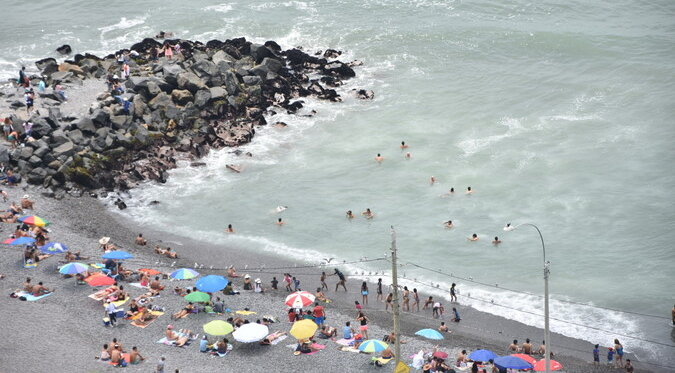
{"points": [[252, 332]]}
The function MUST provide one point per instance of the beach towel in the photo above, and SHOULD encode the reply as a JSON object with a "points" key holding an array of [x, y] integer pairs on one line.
{"points": [[173, 343], [138, 285], [318, 346], [125, 356], [154, 315], [276, 341], [29, 297], [97, 265], [381, 361], [116, 303], [30, 265], [345, 342], [245, 312], [349, 349]]}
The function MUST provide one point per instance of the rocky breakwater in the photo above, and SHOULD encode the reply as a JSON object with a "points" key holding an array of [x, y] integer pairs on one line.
{"points": [[212, 95]]}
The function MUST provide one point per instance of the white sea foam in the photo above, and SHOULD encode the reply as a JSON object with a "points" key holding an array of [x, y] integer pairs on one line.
{"points": [[123, 24], [222, 8]]}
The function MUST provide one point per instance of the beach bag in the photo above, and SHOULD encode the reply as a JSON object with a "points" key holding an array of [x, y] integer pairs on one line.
{"points": [[22, 298], [123, 363], [106, 321]]}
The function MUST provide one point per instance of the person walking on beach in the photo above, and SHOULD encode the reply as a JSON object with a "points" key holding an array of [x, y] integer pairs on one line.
{"points": [[388, 302], [416, 300], [363, 328], [342, 280], [429, 302], [160, 365], [323, 281], [296, 284], [110, 310], [364, 292], [379, 293], [287, 280], [319, 314], [406, 299], [23, 79], [453, 293], [618, 347]]}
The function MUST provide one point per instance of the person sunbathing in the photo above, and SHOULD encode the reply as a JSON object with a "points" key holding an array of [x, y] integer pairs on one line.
{"points": [[40, 289], [271, 337], [184, 312], [158, 250], [180, 291], [27, 286], [134, 309], [19, 232], [105, 355], [181, 338], [135, 357], [170, 254], [26, 203], [116, 355], [155, 285], [106, 292], [327, 332], [306, 348], [320, 296]]}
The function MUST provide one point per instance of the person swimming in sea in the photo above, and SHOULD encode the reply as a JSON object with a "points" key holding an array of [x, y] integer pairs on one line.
{"points": [[432, 180], [280, 222], [469, 191], [473, 237], [229, 229], [408, 155], [368, 214], [379, 158], [350, 215], [448, 224], [403, 145], [497, 241]]}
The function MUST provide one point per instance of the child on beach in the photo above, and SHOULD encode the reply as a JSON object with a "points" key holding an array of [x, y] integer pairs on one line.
{"points": [[596, 356], [610, 357], [358, 306], [287, 280], [296, 284], [275, 283]]}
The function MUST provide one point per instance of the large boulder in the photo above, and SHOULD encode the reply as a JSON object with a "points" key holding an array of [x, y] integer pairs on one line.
{"points": [[272, 64], [72, 68], [162, 100], [65, 149], [86, 125], [202, 98], [47, 66], [64, 49], [63, 76], [76, 136], [338, 69], [204, 68], [41, 128], [139, 106], [181, 96], [4, 153], [25, 153], [221, 58], [190, 81], [88, 65], [100, 117], [231, 83], [217, 93], [36, 176], [171, 73]]}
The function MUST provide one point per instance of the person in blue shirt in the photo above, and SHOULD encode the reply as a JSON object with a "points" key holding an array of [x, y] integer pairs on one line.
{"points": [[455, 318], [204, 345], [610, 357], [348, 331], [596, 356]]}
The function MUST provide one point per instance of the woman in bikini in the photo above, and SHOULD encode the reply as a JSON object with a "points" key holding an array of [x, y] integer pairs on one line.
{"points": [[406, 299], [416, 300]]}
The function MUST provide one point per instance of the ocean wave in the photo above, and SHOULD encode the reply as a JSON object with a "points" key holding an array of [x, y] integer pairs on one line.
{"points": [[123, 24], [221, 8]]}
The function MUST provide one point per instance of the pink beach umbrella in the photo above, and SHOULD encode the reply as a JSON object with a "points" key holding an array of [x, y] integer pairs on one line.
{"points": [[540, 366], [525, 357]]}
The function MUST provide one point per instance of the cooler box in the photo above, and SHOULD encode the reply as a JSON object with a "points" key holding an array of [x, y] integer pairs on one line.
{"points": [[106, 321], [119, 313]]}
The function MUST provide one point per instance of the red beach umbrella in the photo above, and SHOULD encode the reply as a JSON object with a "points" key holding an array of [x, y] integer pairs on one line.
{"points": [[150, 272], [300, 299], [441, 355], [527, 358], [540, 366], [99, 280]]}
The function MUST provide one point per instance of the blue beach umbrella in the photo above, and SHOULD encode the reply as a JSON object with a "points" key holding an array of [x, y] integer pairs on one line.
{"points": [[73, 268], [184, 274], [211, 283], [511, 362], [118, 254], [19, 241], [54, 248], [482, 355], [430, 334]]}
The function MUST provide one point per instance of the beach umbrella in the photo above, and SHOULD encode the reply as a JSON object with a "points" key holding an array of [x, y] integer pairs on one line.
{"points": [[211, 283], [117, 254], [304, 329], [511, 362], [73, 268], [53, 248], [540, 365], [184, 274], [150, 272], [441, 355], [300, 299], [482, 355], [252, 332], [525, 357], [33, 220], [197, 296], [99, 280], [431, 334], [218, 327], [373, 345], [19, 241]]}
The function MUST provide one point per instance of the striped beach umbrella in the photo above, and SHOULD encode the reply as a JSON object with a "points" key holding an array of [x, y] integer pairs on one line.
{"points": [[73, 268], [373, 345], [300, 299], [184, 274], [33, 220]]}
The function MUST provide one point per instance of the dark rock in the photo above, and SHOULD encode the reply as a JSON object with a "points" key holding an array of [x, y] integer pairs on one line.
{"points": [[181, 96], [120, 204], [202, 98], [161, 101], [25, 153], [171, 73], [64, 49], [100, 117], [86, 125], [145, 45], [67, 149], [272, 64], [41, 128], [190, 81], [47, 66], [76, 136], [63, 76], [204, 68], [252, 80], [41, 152], [17, 104], [217, 93], [35, 161], [363, 94], [273, 46], [120, 121], [338, 69], [331, 53], [36, 176], [231, 83], [4, 153]]}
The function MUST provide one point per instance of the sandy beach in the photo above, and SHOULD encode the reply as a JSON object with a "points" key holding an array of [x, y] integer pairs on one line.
{"points": [[64, 331]]}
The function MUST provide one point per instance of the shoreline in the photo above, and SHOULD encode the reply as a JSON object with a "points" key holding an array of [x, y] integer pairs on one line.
{"points": [[80, 222]]}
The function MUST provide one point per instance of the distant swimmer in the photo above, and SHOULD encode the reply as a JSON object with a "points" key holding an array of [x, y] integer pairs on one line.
{"points": [[469, 191], [497, 241], [278, 209], [474, 237], [280, 222], [229, 229], [449, 193], [408, 155], [368, 214], [448, 224], [432, 180], [379, 158], [403, 145], [350, 215]]}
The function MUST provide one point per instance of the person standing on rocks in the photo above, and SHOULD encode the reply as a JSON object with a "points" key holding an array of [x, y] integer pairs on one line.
{"points": [[23, 79]]}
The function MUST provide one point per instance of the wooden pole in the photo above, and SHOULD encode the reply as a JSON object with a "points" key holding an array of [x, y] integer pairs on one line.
{"points": [[394, 278]]}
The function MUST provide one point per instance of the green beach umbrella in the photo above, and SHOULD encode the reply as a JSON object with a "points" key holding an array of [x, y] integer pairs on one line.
{"points": [[218, 327], [197, 296]]}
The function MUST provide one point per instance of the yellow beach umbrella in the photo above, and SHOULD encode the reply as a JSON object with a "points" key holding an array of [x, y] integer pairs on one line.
{"points": [[303, 329], [218, 327]]}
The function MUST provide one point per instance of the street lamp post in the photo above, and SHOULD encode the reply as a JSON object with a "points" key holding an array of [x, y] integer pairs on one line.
{"points": [[547, 337]]}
